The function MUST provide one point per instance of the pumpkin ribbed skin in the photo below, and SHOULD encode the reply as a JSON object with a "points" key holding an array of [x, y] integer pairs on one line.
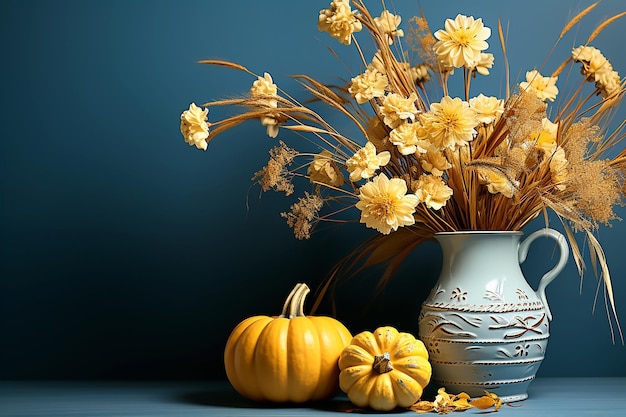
{"points": [[384, 369], [282, 359]]}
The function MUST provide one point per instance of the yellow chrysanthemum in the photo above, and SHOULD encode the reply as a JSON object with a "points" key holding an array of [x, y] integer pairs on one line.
{"points": [[594, 63], [432, 191], [396, 109], [484, 64], [366, 162], [609, 83], [450, 123], [366, 86], [488, 109], [435, 162], [265, 88], [339, 21], [597, 68], [462, 41], [388, 24], [385, 204], [406, 138], [194, 126], [543, 87], [324, 170]]}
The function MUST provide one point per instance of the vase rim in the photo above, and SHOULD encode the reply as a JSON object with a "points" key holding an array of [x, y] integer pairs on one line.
{"points": [[481, 232]]}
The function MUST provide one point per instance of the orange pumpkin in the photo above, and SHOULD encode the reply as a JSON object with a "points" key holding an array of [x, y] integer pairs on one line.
{"points": [[290, 358]]}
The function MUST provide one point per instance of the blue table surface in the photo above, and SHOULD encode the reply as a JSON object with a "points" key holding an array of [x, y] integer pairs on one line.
{"points": [[569, 397]]}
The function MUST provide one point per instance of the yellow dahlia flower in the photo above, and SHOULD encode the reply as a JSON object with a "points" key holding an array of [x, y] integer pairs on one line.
{"points": [[406, 138], [435, 162], [449, 123], [396, 109], [432, 191], [370, 84], [462, 41], [543, 87], [385, 204], [366, 161], [488, 109]]}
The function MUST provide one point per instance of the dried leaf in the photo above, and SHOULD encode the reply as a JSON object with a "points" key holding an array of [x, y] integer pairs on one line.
{"points": [[423, 407], [487, 401], [462, 403], [483, 402], [445, 403]]}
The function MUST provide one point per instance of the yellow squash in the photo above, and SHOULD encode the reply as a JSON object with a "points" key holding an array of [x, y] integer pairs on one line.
{"points": [[290, 358], [384, 369]]}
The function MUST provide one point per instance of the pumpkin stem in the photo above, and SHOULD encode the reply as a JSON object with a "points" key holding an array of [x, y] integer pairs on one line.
{"points": [[382, 363], [294, 304]]}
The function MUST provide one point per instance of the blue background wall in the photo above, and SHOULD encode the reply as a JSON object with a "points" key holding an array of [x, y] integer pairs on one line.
{"points": [[126, 254]]}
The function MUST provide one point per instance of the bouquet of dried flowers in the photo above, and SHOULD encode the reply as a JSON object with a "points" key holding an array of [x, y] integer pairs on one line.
{"points": [[426, 160]]}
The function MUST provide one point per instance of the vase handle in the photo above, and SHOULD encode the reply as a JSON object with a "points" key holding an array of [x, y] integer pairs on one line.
{"points": [[551, 274]]}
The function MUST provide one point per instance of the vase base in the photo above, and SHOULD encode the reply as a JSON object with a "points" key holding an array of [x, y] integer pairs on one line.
{"points": [[514, 398]]}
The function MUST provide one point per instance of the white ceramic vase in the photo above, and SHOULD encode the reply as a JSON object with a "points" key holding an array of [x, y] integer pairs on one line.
{"points": [[484, 326]]}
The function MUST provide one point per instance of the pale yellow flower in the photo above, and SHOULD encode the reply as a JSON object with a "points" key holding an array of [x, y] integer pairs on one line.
{"points": [[548, 126], [435, 162], [449, 123], [488, 109], [272, 126], [558, 168], [543, 87], [462, 41], [396, 109], [264, 88], [339, 21], [597, 68], [593, 61], [406, 138], [546, 141], [609, 83], [368, 85], [388, 24], [496, 182], [366, 161], [324, 170], [194, 126], [484, 64], [385, 204], [432, 191]]}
